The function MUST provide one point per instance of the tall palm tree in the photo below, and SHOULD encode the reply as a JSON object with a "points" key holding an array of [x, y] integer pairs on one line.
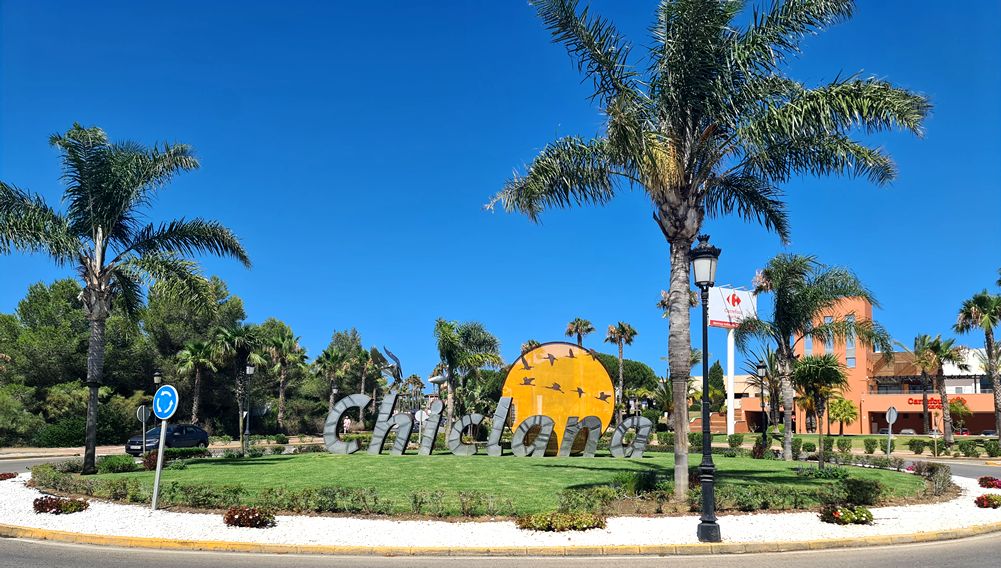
{"points": [[770, 383], [579, 327], [925, 363], [463, 348], [709, 126], [819, 377], [940, 352], [286, 356], [102, 235], [330, 366], [803, 291], [842, 411], [621, 334], [983, 312], [239, 345], [196, 358], [529, 345]]}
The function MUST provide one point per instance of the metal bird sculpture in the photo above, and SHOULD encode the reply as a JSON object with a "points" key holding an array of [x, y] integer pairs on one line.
{"points": [[571, 355], [524, 364], [528, 381], [603, 396], [580, 392], [552, 359], [556, 387]]}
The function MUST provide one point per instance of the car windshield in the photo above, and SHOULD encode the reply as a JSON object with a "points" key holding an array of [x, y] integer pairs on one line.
{"points": [[156, 432]]}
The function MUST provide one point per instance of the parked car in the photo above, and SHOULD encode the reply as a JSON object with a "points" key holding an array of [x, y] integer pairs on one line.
{"points": [[908, 432], [178, 436], [884, 431], [962, 431], [990, 433]]}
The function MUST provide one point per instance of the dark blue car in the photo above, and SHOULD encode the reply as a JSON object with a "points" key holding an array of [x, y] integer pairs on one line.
{"points": [[178, 436]]}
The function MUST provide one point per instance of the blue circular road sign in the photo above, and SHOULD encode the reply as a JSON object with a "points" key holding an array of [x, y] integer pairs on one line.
{"points": [[165, 402]]}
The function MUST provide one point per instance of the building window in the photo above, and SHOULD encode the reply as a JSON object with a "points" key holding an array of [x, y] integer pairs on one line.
{"points": [[959, 390], [850, 345], [808, 341], [850, 362], [829, 344]]}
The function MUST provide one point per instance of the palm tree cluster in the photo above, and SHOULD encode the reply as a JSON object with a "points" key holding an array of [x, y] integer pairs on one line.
{"points": [[464, 349], [709, 125]]}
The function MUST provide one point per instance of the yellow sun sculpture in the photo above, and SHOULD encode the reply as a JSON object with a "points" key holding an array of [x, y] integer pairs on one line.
{"points": [[559, 380]]}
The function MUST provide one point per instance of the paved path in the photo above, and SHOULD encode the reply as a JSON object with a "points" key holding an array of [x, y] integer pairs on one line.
{"points": [[975, 552]]}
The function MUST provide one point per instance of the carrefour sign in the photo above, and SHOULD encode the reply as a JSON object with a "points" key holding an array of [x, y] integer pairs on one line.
{"points": [[728, 306], [558, 398]]}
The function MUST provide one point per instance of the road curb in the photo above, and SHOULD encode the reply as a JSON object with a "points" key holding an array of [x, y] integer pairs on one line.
{"points": [[13, 531]]}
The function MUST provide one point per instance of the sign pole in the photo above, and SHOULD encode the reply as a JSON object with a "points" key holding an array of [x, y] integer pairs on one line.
{"points": [[159, 462], [891, 417], [729, 382]]}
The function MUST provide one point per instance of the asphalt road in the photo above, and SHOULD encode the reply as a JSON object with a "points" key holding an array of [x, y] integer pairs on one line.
{"points": [[975, 552], [21, 465]]}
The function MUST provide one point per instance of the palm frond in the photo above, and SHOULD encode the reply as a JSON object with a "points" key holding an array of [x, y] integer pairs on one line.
{"points": [[752, 198], [567, 172], [775, 34], [188, 237], [866, 332], [822, 155], [174, 276], [28, 224]]}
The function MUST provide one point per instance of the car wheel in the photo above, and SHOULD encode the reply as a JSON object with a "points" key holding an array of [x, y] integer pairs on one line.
{"points": [[202, 445]]}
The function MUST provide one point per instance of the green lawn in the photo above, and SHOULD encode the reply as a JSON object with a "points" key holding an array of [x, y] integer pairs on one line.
{"points": [[531, 484]]}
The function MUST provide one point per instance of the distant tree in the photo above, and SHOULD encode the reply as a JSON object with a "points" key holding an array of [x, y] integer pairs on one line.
{"points": [[620, 334], [286, 357], [240, 345], [939, 353], [717, 387], [982, 312], [578, 328], [529, 345], [818, 378], [924, 361], [463, 348], [772, 385], [959, 412], [842, 411], [196, 358], [102, 236]]}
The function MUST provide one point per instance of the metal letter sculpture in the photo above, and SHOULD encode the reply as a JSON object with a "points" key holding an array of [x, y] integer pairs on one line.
{"points": [[574, 427], [541, 441], [497, 427], [455, 444], [430, 430], [404, 423], [634, 450], [331, 439]]}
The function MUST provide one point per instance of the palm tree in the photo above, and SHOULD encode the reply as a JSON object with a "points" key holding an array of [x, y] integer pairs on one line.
{"points": [[983, 312], [770, 383], [286, 355], [819, 377], [463, 348], [710, 126], [194, 359], [101, 234], [579, 327], [940, 352], [621, 334], [529, 345], [843, 411], [329, 365], [925, 363], [239, 345], [803, 291]]}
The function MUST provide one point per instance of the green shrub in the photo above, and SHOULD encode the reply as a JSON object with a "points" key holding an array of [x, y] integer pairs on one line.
{"points": [[255, 451], [277, 450], [177, 465], [591, 500], [797, 447], [220, 440], [917, 445], [809, 447], [735, 440], [969, 448], [870, 445], [695, 442], [825, 473], [310, 449], [635, 482], [251, 517], [74, 465], [116, 464], [559, 522], [828, 443], [186, 453], [862, 491], [470, 503], [665, 439], [846, 515], [281, 439], [993, 448], [845, 445], [882, 445]]}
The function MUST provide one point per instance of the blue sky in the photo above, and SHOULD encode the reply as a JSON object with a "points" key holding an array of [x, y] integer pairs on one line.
{"points": [[353, 146]]}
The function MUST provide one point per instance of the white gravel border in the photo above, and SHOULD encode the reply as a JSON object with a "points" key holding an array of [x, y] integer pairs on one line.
{"points": [[103, 518]]}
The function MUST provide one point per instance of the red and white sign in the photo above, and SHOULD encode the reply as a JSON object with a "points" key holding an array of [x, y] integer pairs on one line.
{"points": [[728, 307]]}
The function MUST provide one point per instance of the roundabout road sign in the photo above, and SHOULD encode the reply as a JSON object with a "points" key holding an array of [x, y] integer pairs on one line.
{"points": [[165, 402]]}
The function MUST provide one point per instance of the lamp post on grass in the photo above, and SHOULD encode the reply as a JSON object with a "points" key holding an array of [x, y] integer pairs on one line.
{"points": [[762, 371], [704, 259], [246, 420]]}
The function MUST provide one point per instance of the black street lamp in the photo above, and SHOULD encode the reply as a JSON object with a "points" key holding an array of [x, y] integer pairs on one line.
{"points": [[246, 421], [762, 373], [704, 258]]}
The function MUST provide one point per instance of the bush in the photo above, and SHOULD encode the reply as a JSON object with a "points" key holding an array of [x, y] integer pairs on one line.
{"points": [[559, 522], [635, 482], [939, 478], [797, 448], [989, 482], [809, 447], [59, 505], [993, 448], [185, 453], [759, 451], [825, 473], [177, 465], [255, 451], [845, 445], [882, 445], [116, 464], [470, 503], [70, 466], [846, 515], [220, 440], [7, 475], [281, 439], [310, 449], [665, 439], [229, 454], [251, 517], [735, 440], [828, 443], [591, 500], [277, 450], [695, 442], [862, 491], [988, 501], [870, 445], [917, 445], [969, 448]]}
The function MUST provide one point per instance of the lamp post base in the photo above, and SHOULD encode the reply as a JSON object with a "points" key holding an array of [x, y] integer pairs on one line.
{"points": [[709, 532]]}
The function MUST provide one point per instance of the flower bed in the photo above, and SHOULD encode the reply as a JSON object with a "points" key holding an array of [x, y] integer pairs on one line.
{"points": [[7, 475], [989, 482], [59, 505], [988, 501], [846, 515], [251, 517]]}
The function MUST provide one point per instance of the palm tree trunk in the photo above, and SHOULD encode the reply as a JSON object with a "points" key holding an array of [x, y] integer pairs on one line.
{"points": [[449, 400], [95, 373], [946, 414], [679, 349], [841, 427], [196, 394], [784, 363], [992, 372], [580, 340], [330, 401], [619, 395], [925, 416], [819, 405], [361, 389], [282, 385]]}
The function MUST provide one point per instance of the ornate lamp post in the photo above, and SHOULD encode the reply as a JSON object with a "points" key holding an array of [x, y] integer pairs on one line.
{"points": [[704, 258], [246, 421], [762, 373]]}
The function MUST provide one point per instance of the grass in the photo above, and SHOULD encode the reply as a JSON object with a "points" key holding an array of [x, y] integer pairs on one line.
{"points": [[532, 485]]}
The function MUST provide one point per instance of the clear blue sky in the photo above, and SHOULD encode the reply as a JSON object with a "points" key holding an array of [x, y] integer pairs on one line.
{"points": [[353, 145]]}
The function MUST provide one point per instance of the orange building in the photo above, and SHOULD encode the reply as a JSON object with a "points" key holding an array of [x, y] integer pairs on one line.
{"points": [[875, 383]]}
